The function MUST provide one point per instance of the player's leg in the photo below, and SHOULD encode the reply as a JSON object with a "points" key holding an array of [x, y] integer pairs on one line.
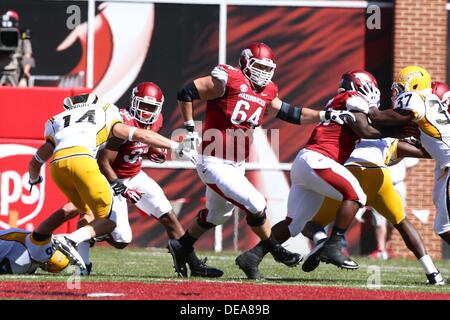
{"points": [[230, 183], [56, 219], [155, 203], [302, 204], [81, 180], [383, 197], [380, 225], [328, 178], [218, 210], [315, 231], [95, 191]]}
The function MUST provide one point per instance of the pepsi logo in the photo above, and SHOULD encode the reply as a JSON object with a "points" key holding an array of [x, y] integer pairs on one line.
{"points": [[14, 186]]}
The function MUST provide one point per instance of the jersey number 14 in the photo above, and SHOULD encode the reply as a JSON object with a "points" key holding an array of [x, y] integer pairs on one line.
{"points": [[89, 116]]}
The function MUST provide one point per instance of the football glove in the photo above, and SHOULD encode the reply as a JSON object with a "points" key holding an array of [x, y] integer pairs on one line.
{"points": [[193, 139], [118, 187], [338, 116], [156, 156], [371, 93], [34, 182], [183, 151], [132, 195]]}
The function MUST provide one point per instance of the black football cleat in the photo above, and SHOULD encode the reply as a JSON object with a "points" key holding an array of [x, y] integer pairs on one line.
{"points": [[312, 261], [249, 262], [435, 279], [282, 255], [86, 272], [179, 256], [199, 268], [332, 253]]}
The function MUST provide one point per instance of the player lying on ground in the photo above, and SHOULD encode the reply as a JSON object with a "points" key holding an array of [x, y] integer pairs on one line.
{"points": [[237, 99], [72, 139], [20, 254], [318, 172]]}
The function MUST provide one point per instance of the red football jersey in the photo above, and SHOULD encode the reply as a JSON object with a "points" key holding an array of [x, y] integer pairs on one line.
{"points": [[128, 162], [229, 120], [333, 140]]}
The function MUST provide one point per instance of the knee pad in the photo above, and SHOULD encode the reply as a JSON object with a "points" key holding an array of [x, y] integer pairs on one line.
{"points": [[256, 219], [201, 219]]}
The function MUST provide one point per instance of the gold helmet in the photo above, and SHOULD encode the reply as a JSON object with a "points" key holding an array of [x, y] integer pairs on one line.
{"points": [[412, 78], [57, 263]]}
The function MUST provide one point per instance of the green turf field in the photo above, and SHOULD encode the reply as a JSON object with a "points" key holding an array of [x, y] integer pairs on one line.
{"points": [[153, 265]]}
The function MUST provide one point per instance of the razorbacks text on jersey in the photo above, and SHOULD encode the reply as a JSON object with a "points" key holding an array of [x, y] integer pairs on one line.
{"points": [[333, 140], [434, 123], [87, 127], [128, 161], [229, 119]]}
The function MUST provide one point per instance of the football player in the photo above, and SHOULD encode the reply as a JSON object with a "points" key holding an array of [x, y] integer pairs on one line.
{"points": [[368, 164], [121, 163], [237, 98], [318, 172], [19, 255], [72, 139], [414, 101]]}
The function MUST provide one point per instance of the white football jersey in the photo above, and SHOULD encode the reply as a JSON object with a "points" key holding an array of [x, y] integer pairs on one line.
{"points": [[434, 123], [87, 126], [374, 151], [15, 257]]}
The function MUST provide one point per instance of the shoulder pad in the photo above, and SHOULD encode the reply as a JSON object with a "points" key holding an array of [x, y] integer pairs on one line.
{"points": [[411, 101], [356, 102]]}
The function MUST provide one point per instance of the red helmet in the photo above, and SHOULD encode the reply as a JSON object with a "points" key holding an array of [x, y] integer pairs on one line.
{"points": [[256, 62], [442, 90], [13, 17], [355, 80], [146, 102]]}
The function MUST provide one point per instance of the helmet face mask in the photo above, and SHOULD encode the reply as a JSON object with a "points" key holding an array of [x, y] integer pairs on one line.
{"points": [[145, 112], [146, 103], [396, 90], [256, 62], [261, 72]]}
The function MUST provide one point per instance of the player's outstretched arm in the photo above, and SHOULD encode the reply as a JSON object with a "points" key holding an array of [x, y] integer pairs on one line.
{"points": [[405, 149], [363, 129], [148, 137], [299, 115], [44, 153], [390, 117], [151, 138]]}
